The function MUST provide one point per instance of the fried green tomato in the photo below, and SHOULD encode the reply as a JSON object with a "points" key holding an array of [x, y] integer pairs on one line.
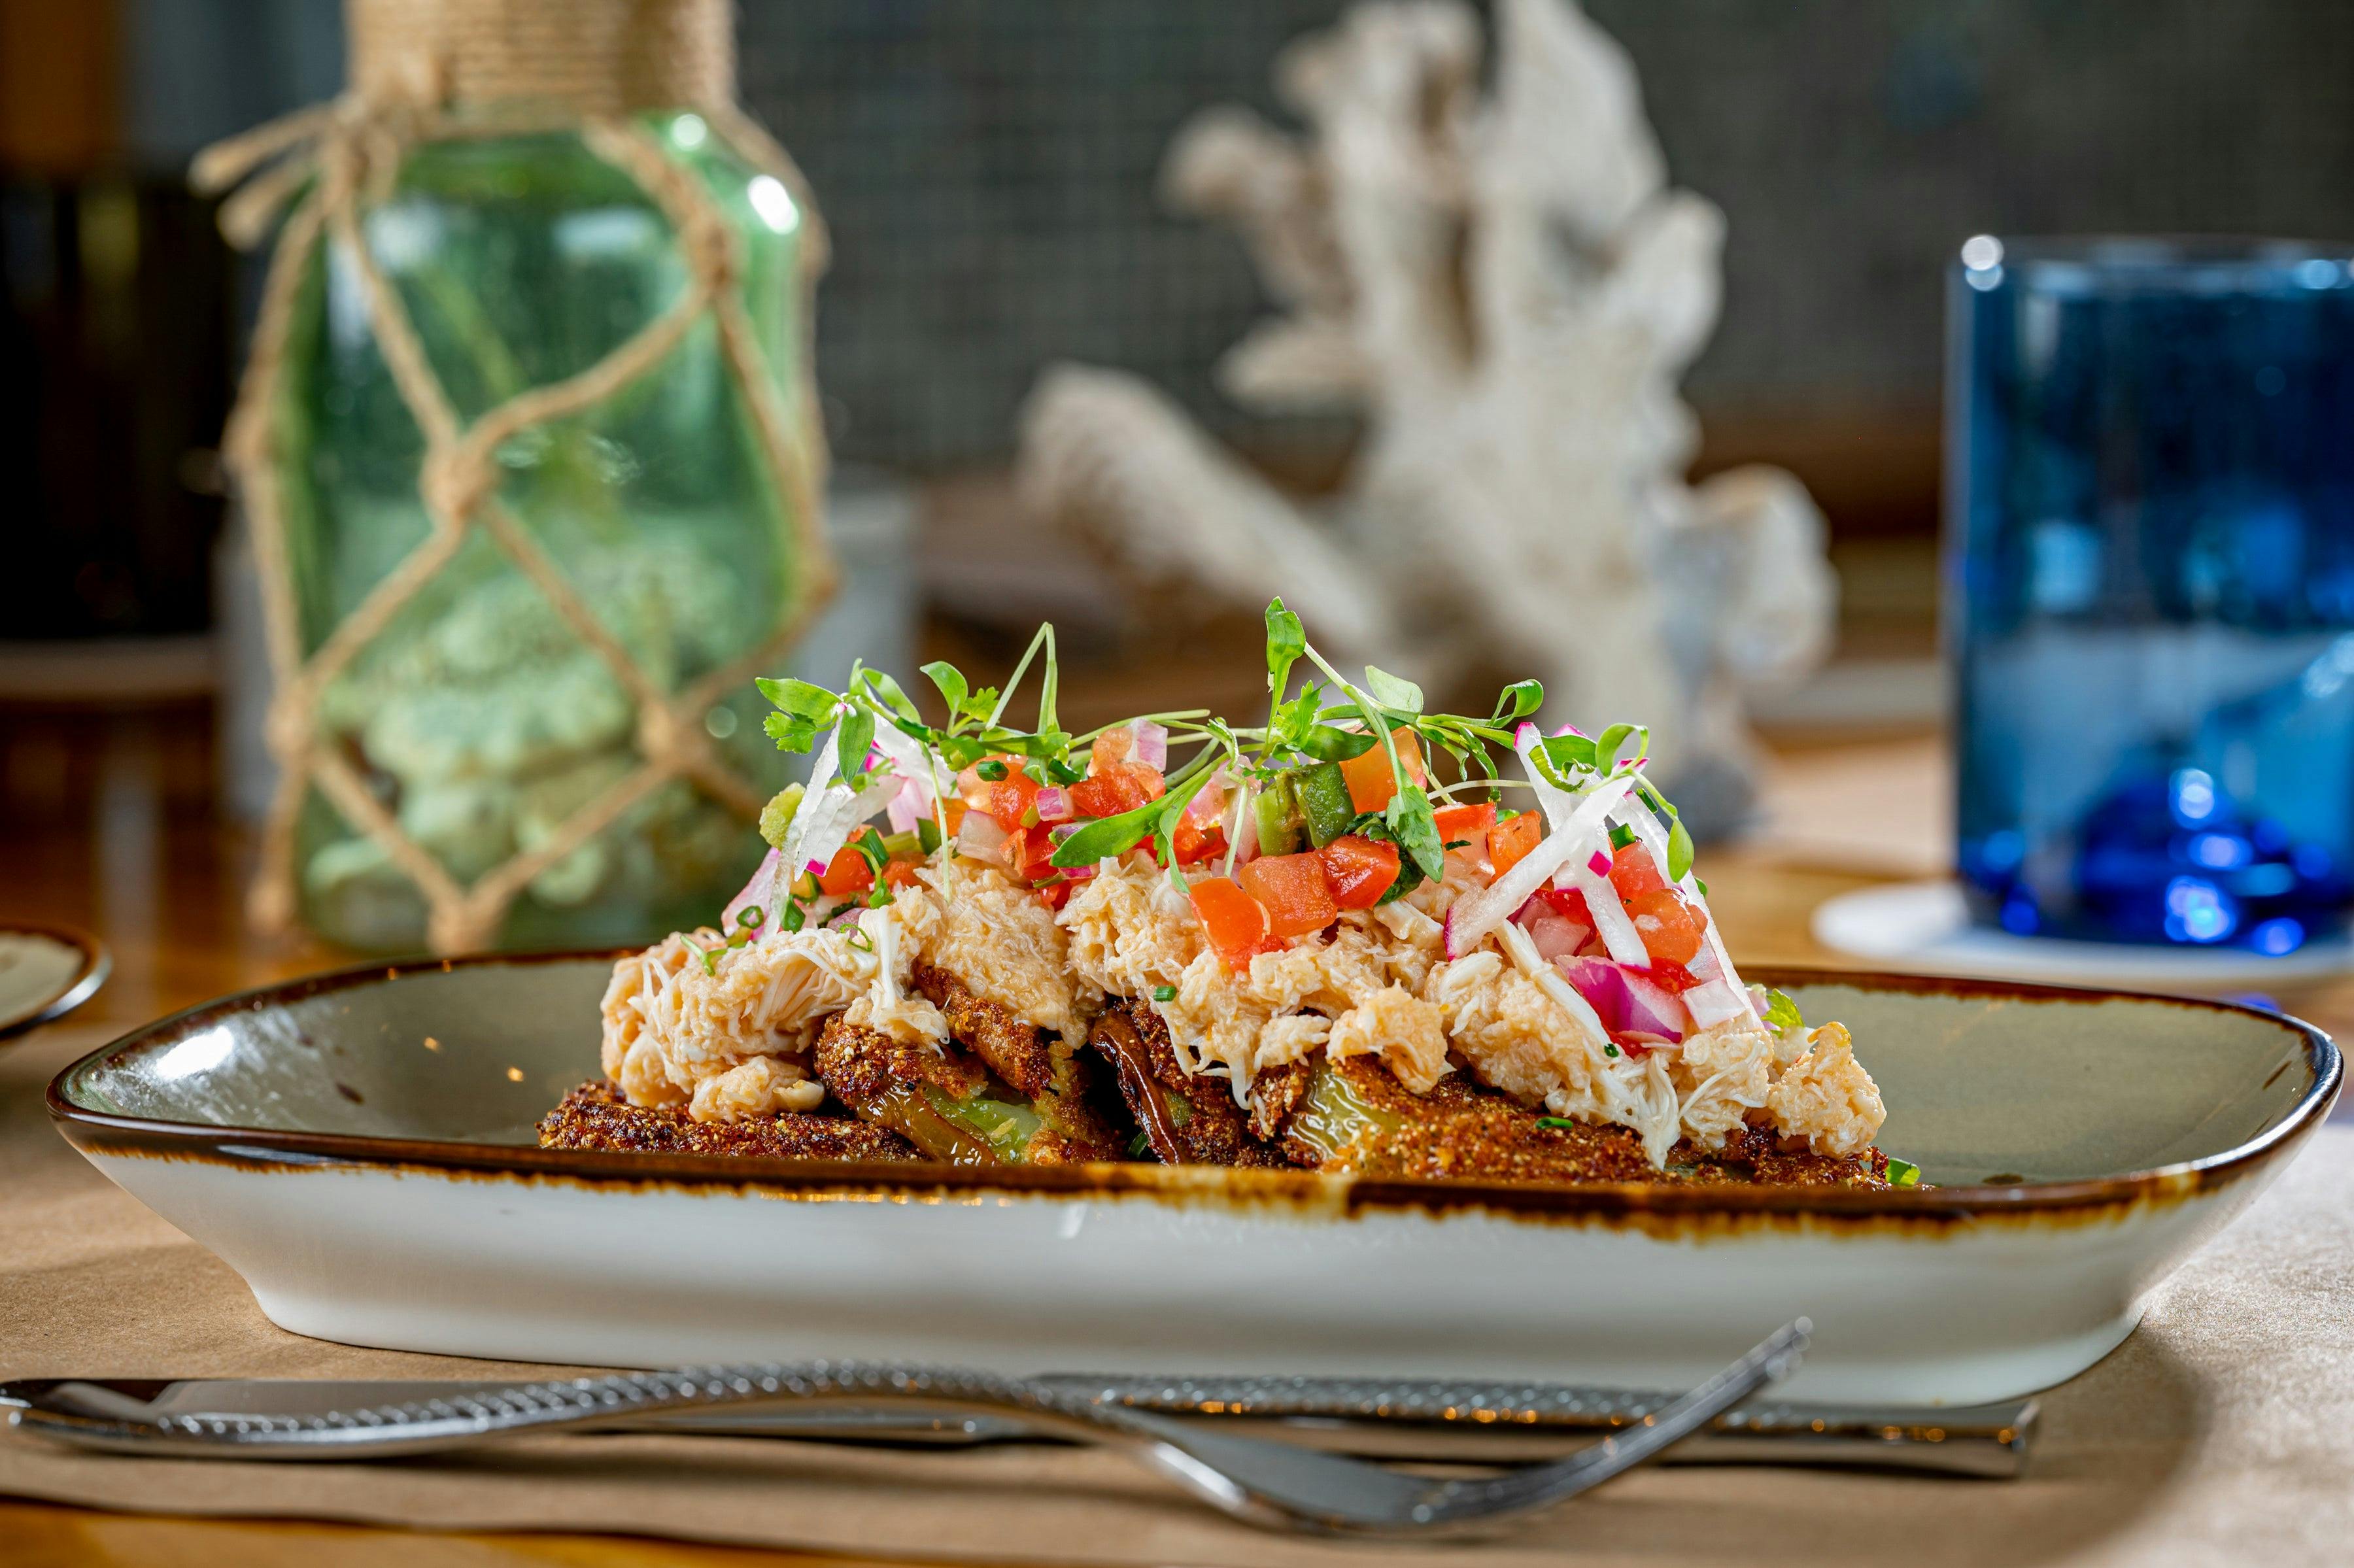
{"points": [[943, 1100], [1037, 1064], [1180, 1120], [596, 1117], [1354, 1118]]}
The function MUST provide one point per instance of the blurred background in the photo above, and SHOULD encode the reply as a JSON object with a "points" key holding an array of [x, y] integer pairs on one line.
{"points": [[989, 173]]}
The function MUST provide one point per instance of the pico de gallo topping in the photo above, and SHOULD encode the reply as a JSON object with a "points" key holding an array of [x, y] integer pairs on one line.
{"points": [[1350, 795]]}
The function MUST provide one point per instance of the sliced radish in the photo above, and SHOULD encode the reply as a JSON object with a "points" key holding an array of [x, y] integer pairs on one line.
{"points": [[766, 889], [1611, 921], [1470, 917]]}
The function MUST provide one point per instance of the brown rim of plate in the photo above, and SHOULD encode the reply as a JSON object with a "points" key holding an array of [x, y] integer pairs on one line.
{"points": [[96, 964], [263, 1148]]}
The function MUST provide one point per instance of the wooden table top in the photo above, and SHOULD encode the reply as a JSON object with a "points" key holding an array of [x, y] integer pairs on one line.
{"points": [[108, 823]]}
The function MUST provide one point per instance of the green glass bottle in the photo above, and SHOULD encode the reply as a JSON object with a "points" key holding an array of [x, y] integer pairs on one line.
{"points": [[478, 717]]}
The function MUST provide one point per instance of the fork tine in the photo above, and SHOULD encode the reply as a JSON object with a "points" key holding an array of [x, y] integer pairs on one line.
{"points": [[1535, 1485]]}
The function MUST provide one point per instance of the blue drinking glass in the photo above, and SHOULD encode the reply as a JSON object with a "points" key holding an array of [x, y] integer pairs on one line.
{"points": [[2150, 586]]}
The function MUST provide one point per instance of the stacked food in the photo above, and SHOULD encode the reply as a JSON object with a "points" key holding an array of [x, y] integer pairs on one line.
{"points": [[1341, 941]]}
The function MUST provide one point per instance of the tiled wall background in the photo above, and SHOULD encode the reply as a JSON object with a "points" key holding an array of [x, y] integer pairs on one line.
{"points": [[988, 169]]}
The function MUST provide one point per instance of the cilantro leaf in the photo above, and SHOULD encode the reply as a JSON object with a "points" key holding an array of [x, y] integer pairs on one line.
{"points": [[885, 690], [1781, 1012], [852, 742], [1415, 830], [789, 731], [802, 699], [1393, 691], [1329, 743], [951, 684]]}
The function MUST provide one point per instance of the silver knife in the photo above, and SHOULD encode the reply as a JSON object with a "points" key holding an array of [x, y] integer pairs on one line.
{"points": [[1390, 1419]]}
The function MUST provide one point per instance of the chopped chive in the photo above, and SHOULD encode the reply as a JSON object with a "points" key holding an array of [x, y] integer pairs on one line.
{"points": [[1902, 1173], [1165, 993], [928, 836], [1611, 1051], [1561, 1122], [992, 770], [858, 939], [750, 917], [795, 915], [1621, 835]]}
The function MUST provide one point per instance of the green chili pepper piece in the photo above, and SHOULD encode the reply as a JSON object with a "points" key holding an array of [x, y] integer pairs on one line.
{"points": [[1276, 813], [1322, 792]]}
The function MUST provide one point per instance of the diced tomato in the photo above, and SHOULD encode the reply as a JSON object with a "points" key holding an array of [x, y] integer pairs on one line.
{"points": [[1463, 821], [848, 872], [1634, 872], [1469, 826], [1029, 852], [1008, 801], [1292, 887], [900, 872], [1235, 923], [1360, 870], [952, 811], [1569, 903], [1509, 841], [1111, 748], [1195, 841], [1121, 786], [1672, 977], [1371, 783], [1666, 925], [1054, 895]]}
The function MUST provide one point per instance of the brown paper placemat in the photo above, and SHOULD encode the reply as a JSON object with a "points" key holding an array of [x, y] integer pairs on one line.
{"points": [[2222, 1432]]}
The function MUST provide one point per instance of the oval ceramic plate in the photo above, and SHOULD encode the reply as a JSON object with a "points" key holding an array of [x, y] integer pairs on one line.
{"points": [[46, 972], [360, 1148]]}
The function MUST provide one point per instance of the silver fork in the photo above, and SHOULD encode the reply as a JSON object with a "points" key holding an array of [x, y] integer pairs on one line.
{"points": [[1266, 1483]]}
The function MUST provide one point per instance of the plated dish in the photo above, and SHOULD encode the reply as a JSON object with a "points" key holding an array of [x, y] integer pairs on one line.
{"points": [[361, 1147], [1361, 938], [1078, 1082]]}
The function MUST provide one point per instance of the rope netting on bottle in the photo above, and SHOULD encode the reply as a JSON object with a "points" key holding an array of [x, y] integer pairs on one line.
{"points": [[334, 162]]}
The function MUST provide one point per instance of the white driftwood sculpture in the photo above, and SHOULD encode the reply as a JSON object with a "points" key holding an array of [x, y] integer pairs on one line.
{"points": [[1508, 291]]}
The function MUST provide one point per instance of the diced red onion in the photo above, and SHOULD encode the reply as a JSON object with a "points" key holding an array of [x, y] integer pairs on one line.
{"points": [[1624, 1000], [1053, 804], [1209, 802], [1557, 936], [1151, 743], [979, 836]]}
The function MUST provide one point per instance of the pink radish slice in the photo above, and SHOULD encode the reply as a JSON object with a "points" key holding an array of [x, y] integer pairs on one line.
{"points": [[766, 889]]}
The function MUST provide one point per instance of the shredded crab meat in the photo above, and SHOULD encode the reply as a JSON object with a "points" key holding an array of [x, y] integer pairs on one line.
{"points": [[679, 1032], [1440, 980]]}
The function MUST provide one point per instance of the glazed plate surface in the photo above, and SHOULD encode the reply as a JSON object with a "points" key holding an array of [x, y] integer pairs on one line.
{"points": [[360, 1148]]}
